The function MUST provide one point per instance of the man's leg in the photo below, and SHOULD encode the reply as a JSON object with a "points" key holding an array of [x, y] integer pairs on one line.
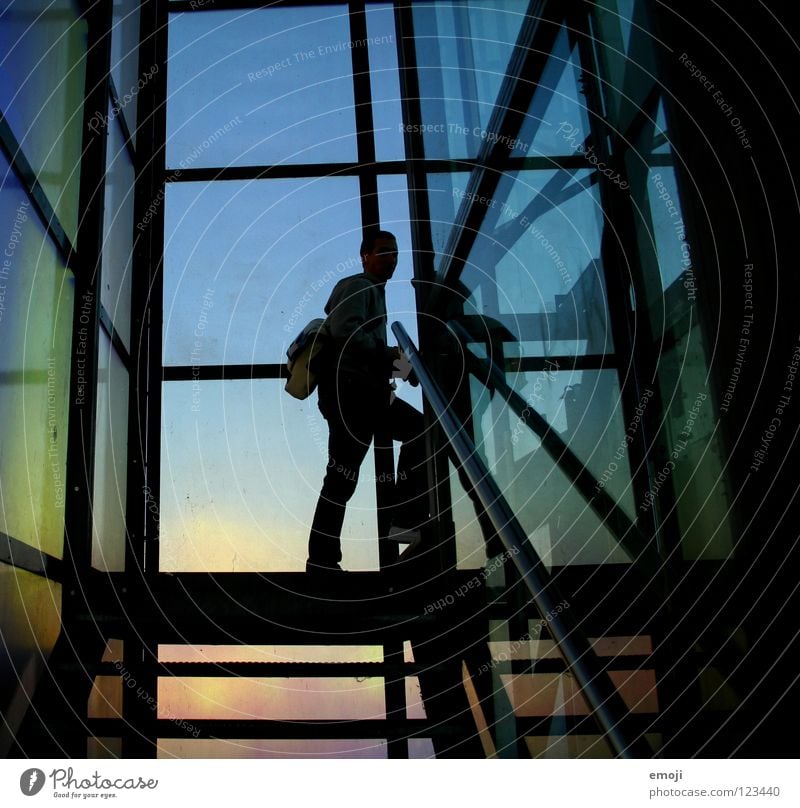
{"points": [[350, 435], [406, 424]]}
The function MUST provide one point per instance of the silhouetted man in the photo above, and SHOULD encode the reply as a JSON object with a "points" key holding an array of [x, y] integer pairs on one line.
{"points": [[354, 397]]}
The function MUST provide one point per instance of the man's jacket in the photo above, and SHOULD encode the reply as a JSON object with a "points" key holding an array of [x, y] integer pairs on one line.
{"points": [[356, 327]]}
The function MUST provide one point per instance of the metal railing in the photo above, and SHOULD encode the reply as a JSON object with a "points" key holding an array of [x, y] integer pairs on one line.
{"points": [[605, 702]]}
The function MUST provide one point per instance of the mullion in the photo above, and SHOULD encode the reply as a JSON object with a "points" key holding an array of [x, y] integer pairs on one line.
{"points": [[184, 373], [47, 215], [364, 169], [123, 124], [116, 340]]}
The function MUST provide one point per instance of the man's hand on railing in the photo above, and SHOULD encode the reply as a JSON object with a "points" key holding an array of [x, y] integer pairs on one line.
{"points": [[403, 370]]}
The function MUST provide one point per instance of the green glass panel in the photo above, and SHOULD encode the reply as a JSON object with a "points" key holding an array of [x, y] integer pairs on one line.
{"points": [[241, 470], [534, 271], [626, 51], [111, 456], [36, 304], [558, 521], [691, 477], [42, 69]]}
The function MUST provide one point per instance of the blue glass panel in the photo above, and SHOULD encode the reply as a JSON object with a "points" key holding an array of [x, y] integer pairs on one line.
{"points": [[241, 469], [247, 265], [557, 122], [42, 49], [125, 60], [387, 114], [400, 297], [260, 86], [462, 51], [118, 234]]}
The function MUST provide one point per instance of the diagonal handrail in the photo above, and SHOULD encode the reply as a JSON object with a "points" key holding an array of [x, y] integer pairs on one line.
{"points": [[605, 702], [626, 531]]}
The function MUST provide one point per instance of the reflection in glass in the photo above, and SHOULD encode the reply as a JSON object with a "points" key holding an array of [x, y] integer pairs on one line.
{"points": [[583, 406], [534, 268]]}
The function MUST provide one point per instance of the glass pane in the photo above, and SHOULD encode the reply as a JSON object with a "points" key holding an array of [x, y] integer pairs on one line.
{"points": [[688, 437], [534, 268], [36, 303], [242, 467], [557, 122], [41, 94], [278, 698], [247, 265], [270, 653], [387, 113], [118, 235], [470, 552], [111, 460], [462, 51], [446, 195], [218, 749], [626, 51], [400, 297], [689, 432], [559, 523], [30, 619], [260, 86], [125, 59]]}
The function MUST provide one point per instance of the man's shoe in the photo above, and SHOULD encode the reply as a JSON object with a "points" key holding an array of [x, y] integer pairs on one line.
{"points": [[322, 568], [405, 535]]}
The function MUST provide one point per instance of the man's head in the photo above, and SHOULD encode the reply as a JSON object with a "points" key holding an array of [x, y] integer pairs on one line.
{"points": [[379, 254]]}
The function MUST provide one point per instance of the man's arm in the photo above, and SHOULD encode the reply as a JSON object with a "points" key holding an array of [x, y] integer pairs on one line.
{"points": [[349, 324]]}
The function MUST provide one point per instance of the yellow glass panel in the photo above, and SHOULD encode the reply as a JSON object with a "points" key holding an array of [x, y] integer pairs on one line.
{"points": [[30, 619], [278, 698], [36, 302], [270, 653], [249, 749]]}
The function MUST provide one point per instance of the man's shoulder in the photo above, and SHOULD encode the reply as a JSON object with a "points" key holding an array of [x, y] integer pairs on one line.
{"points": [[352, 284], [361, 279]]}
